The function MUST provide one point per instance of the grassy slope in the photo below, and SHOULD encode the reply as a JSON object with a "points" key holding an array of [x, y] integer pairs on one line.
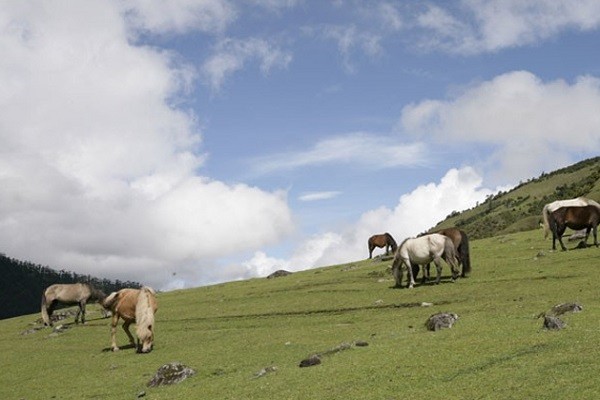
{"points": [[231, 331]]}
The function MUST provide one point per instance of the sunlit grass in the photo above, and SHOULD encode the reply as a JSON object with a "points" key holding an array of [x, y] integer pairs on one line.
{"points": [[230, 332]]}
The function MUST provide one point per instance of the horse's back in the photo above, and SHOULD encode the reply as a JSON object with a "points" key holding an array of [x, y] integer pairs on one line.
{"points": [[424, 248], [125, 303], [67, 291]]}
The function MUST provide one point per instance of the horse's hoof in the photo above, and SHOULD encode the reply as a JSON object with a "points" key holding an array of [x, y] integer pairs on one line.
{"points": [[115, 349]]}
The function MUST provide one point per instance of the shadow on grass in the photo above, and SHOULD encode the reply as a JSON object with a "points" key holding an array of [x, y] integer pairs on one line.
{"points": [[341, 310], [494, 361], [126, 347]]}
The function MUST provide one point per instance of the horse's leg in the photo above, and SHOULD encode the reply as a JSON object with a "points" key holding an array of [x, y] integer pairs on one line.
{"points": [[560, 231], [554, 229], [129, 335], [438, 267], [113, 331], [595, 232], [82, 311], [587, 234], [411, 279]]}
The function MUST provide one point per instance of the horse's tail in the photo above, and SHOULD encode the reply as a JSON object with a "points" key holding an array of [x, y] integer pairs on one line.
{"points": [[144, 314], [545, 217], [392, 242], [45, 316], [464, 253], [110, 300]]}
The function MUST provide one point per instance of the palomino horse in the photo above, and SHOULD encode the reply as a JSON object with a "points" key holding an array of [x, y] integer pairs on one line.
{"points": [[423, 250], [384, 240], [461, 247], [555, 205], [134, 306], [576, 218], [69, 294]]}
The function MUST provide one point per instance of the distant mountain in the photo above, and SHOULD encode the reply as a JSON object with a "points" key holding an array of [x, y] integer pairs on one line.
{"points": [[22, 283], [520, 209]]}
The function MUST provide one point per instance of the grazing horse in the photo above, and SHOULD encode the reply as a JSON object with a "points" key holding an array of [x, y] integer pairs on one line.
{"points": [[555, 205], [69, 294], [134, 306], [461, 247], [423, 250], [576, 218], [384, 240]]}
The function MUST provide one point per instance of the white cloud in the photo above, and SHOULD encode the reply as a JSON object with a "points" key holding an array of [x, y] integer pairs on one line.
{"points": [[364, 149], [97, 168], [533, 125], [179, 15], [415, 212], [350, 40], [314, 196], [231, 55], [488, 26]]}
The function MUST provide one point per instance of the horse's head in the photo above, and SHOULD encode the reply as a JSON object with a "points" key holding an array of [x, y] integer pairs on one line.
{"points": [[146, 344]]}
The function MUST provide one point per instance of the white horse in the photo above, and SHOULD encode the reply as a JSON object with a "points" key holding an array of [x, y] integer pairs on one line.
{"points": [[423, 250], [555, 205]]}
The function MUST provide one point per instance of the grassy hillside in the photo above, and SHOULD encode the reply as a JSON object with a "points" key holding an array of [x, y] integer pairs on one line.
{"points": [[230, 332], [520, 209]]}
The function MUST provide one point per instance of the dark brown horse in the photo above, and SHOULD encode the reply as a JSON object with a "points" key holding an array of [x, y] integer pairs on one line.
{"points": [[576, 218], [461, 246], [69, 294], [384, 240]]}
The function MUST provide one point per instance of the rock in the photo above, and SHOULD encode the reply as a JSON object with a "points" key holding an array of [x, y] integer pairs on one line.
{"points": [[553, 323], [361, 343], [441, 320], [171, 373], [560, 309], [279, 273], [310, 361], [265, 371]]}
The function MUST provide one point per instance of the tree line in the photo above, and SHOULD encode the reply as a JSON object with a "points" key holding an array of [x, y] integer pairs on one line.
{"points": [[22, 284]]}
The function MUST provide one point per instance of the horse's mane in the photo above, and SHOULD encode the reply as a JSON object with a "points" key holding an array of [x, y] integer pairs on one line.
{"points": [[392, 241], [144, 313]]}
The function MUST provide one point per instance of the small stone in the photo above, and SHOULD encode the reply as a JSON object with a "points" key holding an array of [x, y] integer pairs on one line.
{"points": [[171, 373], [441, 320], [310, 361], [553, 323]]}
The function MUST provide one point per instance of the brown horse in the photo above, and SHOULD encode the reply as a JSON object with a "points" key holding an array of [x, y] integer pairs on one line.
{"points": [[69, 294], [587, 217], [134, 306], [461, 248], [383, 240]]}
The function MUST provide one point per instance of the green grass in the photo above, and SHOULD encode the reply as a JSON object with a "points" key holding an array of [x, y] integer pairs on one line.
{"points": [[229, 332]]}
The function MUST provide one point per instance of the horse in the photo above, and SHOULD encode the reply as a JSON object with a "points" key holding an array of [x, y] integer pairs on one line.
{"points": [[134, 306], [555, 205], [587, 217], [69, 294], [461, 247], [423, 250], [383, 240]]}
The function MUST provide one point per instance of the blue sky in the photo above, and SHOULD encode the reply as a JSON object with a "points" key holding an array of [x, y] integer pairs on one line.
{"points": [[185, 143]]}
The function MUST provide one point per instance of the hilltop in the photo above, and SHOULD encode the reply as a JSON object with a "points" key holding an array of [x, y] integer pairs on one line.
{"points": [[520, 208]]}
